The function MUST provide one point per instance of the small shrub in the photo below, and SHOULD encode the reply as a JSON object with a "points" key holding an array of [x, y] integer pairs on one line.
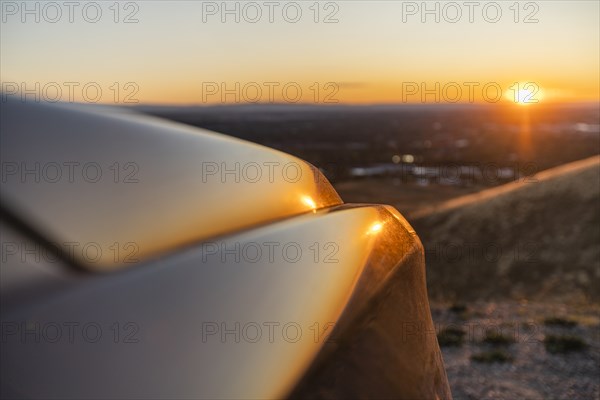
{"points": [[458, 308], [492, 357], [563, 343], [498, 339], [559, 321], [451, 337]]}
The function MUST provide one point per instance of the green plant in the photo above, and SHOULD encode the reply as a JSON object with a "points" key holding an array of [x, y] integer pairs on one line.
{"points": [[492, 356], [560, 321], [498, 339], [451, 337], [563, 343], [457, 308]]}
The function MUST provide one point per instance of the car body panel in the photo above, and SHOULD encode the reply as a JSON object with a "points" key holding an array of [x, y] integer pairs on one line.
{"points": [[106, 176], [182, 307], [294, 295]]}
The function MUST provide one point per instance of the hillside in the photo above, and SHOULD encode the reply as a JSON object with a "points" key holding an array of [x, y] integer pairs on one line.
{"points": [[537, 239]]}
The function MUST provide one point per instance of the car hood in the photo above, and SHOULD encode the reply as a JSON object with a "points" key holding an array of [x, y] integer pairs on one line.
{"points": [[143, 181]]}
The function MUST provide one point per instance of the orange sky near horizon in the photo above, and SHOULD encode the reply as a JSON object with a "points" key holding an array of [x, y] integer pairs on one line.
{"points": [[185, 52]]}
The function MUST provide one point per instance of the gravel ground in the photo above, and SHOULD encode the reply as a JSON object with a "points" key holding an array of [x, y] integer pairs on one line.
{"points": [[533, 372]]}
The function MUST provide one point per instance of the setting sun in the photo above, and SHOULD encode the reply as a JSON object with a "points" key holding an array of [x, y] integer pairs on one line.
{"points": [[524, 93]]}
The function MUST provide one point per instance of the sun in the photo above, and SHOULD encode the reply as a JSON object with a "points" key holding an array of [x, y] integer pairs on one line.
{"points": [[524, 93], [523, 96]]}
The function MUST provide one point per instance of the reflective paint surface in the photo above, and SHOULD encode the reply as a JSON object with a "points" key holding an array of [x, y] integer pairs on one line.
{"points": [[104, 177], [185, 309], [241, 282]]}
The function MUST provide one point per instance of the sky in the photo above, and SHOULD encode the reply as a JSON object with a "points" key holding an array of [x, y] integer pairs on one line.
{"points": [[195, 52]]}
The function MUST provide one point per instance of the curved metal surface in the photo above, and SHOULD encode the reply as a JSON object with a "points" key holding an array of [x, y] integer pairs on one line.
{"points": [[105, 177], [266, 271], [384, 345], [221, 320]]}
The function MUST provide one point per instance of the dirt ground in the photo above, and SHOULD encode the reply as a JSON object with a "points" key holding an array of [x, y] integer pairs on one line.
{"points": [[519, 262], [532, 372]]}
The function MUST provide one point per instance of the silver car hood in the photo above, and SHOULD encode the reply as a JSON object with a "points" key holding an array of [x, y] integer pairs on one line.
{"points": [[239, 289], [103, 175]]}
